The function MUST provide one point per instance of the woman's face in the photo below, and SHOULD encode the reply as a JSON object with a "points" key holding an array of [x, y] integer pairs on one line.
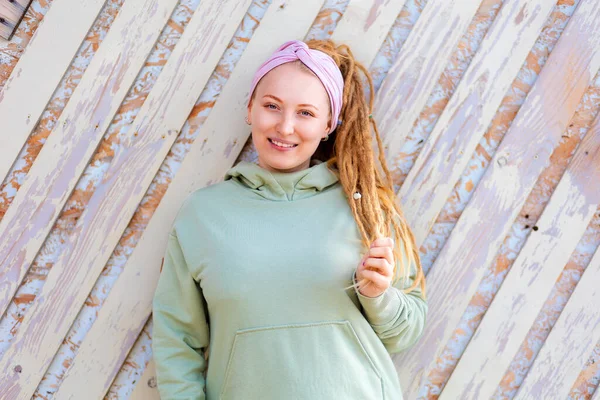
{"points": [[290, 106]]}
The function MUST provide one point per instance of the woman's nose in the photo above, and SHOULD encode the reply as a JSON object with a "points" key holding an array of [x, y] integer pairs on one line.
{"points": [[286, 124]]}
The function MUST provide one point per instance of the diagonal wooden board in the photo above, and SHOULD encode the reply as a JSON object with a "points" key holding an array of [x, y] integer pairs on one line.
{"points": [[596, 395], [470, 110], [365, 24], [422, 59], [76, 135], [570, 343], [27, 91], [11, 14], [108, 331], [145, 388], [531, 278], [110, 208], [513, 171]]}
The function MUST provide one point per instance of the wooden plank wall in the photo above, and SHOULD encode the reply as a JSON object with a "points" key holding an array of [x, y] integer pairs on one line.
{"points": [[11, 14], [489, 115]]}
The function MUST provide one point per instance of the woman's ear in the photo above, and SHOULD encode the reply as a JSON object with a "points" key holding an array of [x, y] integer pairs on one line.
{"points": [[249, 112]]}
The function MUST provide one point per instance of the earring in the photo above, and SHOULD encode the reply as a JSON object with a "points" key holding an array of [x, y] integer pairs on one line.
{"points": [[326, 138], [247, 121]]}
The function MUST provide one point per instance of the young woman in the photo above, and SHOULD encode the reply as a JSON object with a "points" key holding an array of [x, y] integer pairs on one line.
{"points": [[259, 265]]}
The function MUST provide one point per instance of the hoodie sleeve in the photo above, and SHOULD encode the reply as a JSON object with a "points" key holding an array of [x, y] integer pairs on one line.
{"points": [[180, 333], [397, 318]]}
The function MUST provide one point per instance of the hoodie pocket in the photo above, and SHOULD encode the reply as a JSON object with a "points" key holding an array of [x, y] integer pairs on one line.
{"points": [[317, 361]]}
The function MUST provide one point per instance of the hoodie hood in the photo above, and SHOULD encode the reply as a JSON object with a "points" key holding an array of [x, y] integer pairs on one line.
{"points": [[283, 186]]}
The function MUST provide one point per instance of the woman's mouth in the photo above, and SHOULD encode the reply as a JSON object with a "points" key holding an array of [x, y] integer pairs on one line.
{"points": [[281, 146]]}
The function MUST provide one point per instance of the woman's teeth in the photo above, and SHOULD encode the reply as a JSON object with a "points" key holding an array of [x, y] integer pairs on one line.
{"points": [[282, 144]]}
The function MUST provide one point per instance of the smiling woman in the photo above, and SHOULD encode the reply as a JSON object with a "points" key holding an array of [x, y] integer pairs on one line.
{"points": [[262, 262], [290, 115]]}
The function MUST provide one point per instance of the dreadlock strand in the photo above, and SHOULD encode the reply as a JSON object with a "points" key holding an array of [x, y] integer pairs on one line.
{"points": [[353, 158]]}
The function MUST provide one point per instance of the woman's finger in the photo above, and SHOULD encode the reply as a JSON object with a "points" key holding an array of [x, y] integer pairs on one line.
{"points": [[377, 279], [380, 264], [383, 242], [382, 252]]}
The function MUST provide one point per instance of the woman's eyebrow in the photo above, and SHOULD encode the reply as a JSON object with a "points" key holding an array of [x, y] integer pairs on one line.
{"points": [[281, 101]]}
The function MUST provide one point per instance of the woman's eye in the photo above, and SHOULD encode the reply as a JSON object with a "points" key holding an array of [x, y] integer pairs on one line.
{"points": [[269, 105], [308, 114]]}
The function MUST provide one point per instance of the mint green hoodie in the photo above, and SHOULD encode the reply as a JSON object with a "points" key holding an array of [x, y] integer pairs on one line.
{"points": [[257, 265]]}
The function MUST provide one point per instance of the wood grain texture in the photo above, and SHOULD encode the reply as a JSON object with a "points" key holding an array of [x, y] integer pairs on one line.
{"points": [[525, 222], [75, 138], [572, 339], [42, 196], [522, 155], [125, 312], [54, 40], [470, 111], [366, 21], [596, 395], [11, 51], [531, 279], [115, 200], [11, 13], [146, 388], [424, 55]]}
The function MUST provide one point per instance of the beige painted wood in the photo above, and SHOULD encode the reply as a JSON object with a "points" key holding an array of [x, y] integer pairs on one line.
{"points": [[114, 332], [75, 138], [27, 91], [115, 200], [596, 395], [470, 110], [571, 341], [530, 281], [218, 144], [367, 21], [11, 13], [49, 184], [422, 59], [145, 388], [5, 31], [520, 159], [76, 135]]}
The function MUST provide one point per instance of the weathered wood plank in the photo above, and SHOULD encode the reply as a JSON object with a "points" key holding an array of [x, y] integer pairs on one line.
{"points": [[522, 156], [571, 340], [596, 395], [11, 13], [146, 388], [124, 312], [42, 196], [368, 22], [75, 137], [27, 91], [470, 111], [409, 82], [531, 279]]}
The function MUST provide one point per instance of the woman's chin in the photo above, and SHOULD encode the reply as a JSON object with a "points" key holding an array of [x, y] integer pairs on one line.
{"points": [[279, 165]]}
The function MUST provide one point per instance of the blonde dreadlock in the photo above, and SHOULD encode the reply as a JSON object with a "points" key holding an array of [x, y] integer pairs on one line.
{"points": [[351, 154]]}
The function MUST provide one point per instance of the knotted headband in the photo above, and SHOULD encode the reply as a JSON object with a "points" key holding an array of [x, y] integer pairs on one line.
{"points": [[318, 62]]}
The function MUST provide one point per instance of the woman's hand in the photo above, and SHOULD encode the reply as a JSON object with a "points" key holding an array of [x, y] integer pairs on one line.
{"points": [[376, 268]]}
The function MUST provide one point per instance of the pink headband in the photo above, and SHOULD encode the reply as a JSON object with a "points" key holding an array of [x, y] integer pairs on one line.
{"points": [[318, 62]]}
